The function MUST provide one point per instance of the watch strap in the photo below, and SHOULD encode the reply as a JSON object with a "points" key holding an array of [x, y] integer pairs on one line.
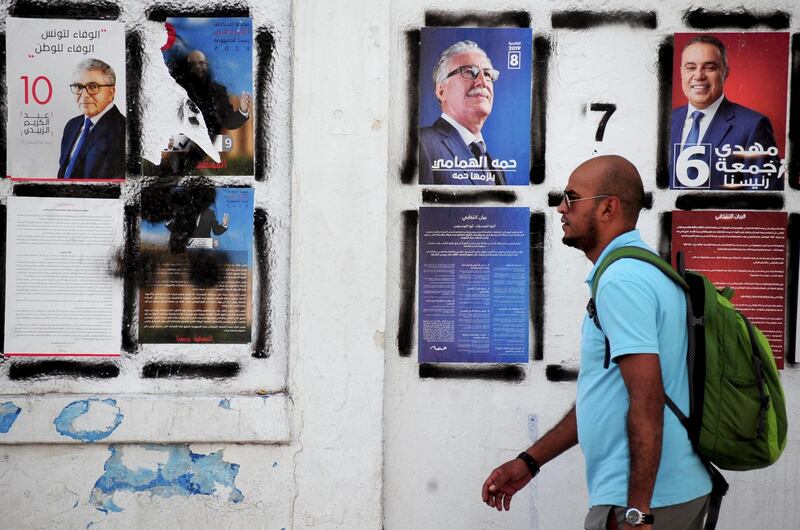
{"points": [[533, 465]]}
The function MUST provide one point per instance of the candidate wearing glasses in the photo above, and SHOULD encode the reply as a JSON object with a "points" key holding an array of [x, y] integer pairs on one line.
{"points": [[464, 84], [93, 143]]}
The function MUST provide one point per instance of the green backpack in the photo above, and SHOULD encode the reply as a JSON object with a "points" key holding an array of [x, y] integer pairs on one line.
{"points": [[737, 411]]}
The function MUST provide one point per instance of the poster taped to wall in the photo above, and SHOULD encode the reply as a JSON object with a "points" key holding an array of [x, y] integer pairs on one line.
{"points": [[474, 279], [197, 256], [729, 95], [211, 59], [62, 298], [475, 106], [746, 251], [66, 99]]}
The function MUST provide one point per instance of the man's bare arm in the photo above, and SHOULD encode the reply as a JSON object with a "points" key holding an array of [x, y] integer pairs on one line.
{"points": [[514, 475], [642, 376]]}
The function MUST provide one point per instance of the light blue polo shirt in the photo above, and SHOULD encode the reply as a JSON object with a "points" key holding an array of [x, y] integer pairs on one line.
{"points": [[641, 311]]}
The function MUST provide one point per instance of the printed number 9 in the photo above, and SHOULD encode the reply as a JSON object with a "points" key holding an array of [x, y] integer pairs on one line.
{"points": [[685, 161], [227, 142], [33, 90]]}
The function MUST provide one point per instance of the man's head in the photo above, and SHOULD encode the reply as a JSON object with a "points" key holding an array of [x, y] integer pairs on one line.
{"points": [[93, 85], [704, 69], [467, 100], [198, 64], [606, 195]]}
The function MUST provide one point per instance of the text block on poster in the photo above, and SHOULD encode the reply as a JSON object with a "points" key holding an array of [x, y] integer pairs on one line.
{"points": [[745, 251], [474, 284]]}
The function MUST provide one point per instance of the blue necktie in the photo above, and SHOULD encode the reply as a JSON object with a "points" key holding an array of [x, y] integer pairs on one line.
{"points": [[87, 124], [694, 133]]}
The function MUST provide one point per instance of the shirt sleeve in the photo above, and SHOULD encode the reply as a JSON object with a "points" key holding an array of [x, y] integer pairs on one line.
{"points": [[628, 313]]}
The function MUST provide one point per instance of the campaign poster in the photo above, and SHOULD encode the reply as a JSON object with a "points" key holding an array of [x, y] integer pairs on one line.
{"points": [[66, 99], [211, 59], [475, 106], [474, 279], [729, 97], [62, 298], [744, 250], [197, 274]]}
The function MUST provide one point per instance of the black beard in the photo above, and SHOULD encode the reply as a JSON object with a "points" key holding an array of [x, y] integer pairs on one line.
{"points": [[585, 241]]}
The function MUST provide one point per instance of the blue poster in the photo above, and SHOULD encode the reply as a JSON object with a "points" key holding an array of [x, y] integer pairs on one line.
{"points": [[474, 279], [475, 106]]}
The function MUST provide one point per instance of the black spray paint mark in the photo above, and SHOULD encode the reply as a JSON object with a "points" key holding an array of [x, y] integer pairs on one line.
{"points": [[3, 107], [409, 167], [3, 214], [262, 344], [793, 174], [703, 19], [61, 369], [542, 50], [536, 300], [723, 200], [130, 272], [95, 10], [592, 19], [555, 198], [134, 64], [607, 109], [509, 372], [558, 373], [160, 13], [437, 196], [190, 371], [793, 237], [664, 149], [408, 264], [519, 19], [60, 189], [265, 47]]}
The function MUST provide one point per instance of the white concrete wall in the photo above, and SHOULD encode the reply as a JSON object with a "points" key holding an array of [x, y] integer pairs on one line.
{"points": [[336, 429]]}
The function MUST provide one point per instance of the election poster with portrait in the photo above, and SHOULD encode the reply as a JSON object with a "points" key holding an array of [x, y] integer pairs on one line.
{"points": [[475, 106], [474, 285], [66, 99], [211, 61], [743, 250], [197, 265], [729, 107]]}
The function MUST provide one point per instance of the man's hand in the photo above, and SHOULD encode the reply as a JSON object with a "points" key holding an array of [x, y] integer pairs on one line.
{"points": [[244, 103], [504, 482]]}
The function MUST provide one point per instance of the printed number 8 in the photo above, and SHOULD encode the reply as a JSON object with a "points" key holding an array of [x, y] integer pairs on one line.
{"points": [[513, 59]]}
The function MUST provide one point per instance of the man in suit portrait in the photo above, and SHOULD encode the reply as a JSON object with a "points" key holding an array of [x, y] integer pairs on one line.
{"points": [[452, 150], [740, 150], [93, 143]]}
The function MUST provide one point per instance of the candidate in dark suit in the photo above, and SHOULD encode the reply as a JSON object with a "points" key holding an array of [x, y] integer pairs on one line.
{"points": [[207, 223], [93, 144], [710, 118], [464, 81]]}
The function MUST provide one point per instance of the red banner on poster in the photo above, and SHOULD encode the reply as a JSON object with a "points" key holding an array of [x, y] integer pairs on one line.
{"points": [[743, 250]]}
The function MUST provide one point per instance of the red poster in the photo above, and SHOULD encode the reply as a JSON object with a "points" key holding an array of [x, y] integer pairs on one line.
{"points": [[743, 250]]}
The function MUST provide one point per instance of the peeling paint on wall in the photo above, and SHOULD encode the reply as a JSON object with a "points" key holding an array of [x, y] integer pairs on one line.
{"points": [[8, 415], [225, 403], [89, 420], [167, 471]]}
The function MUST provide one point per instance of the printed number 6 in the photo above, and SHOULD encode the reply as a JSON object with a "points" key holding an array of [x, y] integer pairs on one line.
{"points": [[685, 161]]}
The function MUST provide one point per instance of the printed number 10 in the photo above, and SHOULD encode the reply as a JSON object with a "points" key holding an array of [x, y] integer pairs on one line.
{"points": [[32, 90]]}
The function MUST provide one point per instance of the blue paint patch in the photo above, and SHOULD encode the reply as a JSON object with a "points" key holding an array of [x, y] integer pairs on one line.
{"points": [[274, 464], [94, 407], [8, 415], [225, 403], [181, 472]]}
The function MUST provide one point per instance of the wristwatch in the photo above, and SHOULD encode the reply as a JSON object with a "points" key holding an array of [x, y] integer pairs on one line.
{"points": [[635, 517]]}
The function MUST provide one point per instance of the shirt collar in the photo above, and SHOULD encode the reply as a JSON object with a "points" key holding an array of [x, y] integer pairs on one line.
{"points": [[708, 111], [463, 132], [622, 240]]}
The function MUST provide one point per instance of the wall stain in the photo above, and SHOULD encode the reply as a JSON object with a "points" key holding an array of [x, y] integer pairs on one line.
{"points": [[8, 415], [180, 472], [225, 403], [104, 414]]}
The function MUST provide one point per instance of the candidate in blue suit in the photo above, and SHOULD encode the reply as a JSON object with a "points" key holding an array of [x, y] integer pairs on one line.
{"points": [[711, 118], [464, 80], [93, 144]]}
